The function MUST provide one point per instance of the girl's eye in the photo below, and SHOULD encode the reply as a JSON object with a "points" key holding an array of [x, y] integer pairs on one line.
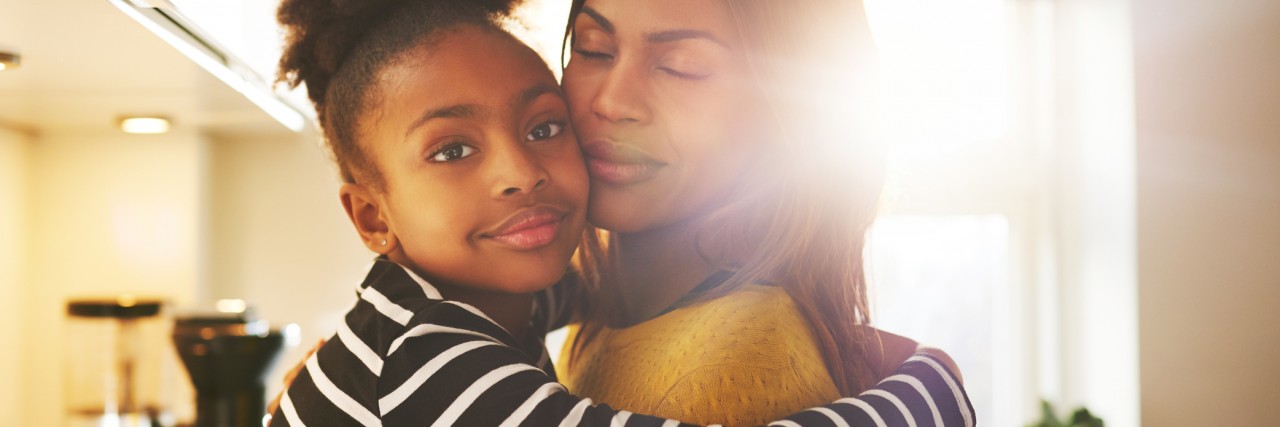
{"points": [[452, 151], [545, 131]]}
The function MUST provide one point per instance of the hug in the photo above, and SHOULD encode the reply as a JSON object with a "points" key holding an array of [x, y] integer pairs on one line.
{"points": [[672, 200]]}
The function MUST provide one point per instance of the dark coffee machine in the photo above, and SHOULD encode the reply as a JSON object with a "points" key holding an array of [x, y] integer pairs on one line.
{"points": [[228, 357]]}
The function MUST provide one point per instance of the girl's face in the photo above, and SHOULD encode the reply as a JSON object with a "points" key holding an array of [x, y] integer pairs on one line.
{"points": [[664, 107], [484, 184]]}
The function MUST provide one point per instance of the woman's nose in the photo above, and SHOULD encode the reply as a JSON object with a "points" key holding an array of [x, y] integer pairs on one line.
{"points": [[620, 97]]}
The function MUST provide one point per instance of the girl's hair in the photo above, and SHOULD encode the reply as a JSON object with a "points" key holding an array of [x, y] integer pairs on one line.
{"points": [[801, 224], [338, 48]]}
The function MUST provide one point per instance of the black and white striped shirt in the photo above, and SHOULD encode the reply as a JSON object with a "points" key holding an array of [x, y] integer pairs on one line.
{"points": [[406, 356]]}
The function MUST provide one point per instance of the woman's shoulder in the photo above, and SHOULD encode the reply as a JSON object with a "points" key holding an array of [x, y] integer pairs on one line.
{"points": [[750, 325], [760, 326], [766, 310], [771, 314], [756, 360], [749, 297], [771, 310]]}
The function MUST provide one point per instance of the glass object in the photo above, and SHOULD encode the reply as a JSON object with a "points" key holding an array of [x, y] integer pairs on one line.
{"points": [[227, 356], [115, 367]]}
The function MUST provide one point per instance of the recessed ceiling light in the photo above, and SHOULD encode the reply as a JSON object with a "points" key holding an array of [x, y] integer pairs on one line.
{"points": [[9, 60], [144, 125]]}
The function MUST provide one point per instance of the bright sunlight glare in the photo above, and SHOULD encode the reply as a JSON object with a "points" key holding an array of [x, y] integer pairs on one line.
{"points": [[943, 70]]}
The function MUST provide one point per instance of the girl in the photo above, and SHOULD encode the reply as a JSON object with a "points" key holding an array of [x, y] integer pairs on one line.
{"points": [[461, 172]]}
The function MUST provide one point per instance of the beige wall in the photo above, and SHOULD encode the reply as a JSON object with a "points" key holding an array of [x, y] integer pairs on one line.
{"points": [[14, 150], [279, 236], [186, 217], [107, 214], [1208, 134]]}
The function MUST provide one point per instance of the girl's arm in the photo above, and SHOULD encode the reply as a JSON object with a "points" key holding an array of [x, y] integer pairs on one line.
{"points": [[446, 371]]}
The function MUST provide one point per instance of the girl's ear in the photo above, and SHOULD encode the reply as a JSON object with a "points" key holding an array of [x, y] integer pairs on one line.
{"points": [[364, 208]]}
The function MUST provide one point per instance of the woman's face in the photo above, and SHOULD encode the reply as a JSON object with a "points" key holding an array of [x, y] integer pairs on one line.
{"points": [[664, 107]]}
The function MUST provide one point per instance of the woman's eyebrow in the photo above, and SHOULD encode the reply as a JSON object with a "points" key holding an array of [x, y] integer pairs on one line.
{"points": [[659, 37], [671, 36], [600, 19]]}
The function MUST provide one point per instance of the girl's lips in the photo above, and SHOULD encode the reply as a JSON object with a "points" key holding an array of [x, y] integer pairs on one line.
{"points": [[528, 229], [619, 164]]}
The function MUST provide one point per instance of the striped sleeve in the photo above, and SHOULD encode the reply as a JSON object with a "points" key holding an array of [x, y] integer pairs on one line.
{"points": [[338, 383], [474, 381], [403, 357], [922, 392], [450, 370]]}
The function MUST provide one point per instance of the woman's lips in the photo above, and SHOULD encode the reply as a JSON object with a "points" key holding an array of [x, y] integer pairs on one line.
{"points": [[619, 164], [528, 229]]}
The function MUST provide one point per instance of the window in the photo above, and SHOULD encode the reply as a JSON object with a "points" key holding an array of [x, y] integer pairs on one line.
{"points": [[949, 260], [1008, 236]]}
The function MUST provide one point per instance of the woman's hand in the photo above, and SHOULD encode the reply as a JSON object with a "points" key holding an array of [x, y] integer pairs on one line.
{"points": [[894, 350]]}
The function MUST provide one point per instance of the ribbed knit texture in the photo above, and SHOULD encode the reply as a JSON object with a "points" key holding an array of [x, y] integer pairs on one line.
{"points": [[742, 359]]}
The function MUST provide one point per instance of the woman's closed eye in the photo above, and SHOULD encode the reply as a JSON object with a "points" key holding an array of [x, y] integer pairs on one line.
{"points": [[450, 152], [593, 55], [685, 74], [545, 130], [686, 65]]}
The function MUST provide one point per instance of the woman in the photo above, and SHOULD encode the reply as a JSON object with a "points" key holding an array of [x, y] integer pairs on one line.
{"points": [[732, 285]]}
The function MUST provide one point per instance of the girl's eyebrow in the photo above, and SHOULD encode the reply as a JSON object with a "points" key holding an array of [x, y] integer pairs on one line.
{"points": [[466, 111], [533, 92], [452, 111]]}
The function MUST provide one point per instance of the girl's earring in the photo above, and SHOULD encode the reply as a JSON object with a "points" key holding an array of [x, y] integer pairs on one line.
{"points": [[384, 242]]}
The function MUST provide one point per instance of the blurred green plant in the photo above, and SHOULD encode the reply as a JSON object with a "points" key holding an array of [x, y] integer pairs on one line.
{"points": [[1080, 418]]}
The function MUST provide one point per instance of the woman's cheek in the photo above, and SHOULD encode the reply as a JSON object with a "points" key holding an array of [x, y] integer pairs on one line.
{"points": [[571, 171], [581, 86]]}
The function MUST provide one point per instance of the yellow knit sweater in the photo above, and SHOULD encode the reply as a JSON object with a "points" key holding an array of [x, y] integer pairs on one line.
{"points": [[742, 359]]}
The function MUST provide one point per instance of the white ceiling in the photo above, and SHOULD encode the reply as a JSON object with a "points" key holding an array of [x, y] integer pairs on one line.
{"points": [[85, 63]]}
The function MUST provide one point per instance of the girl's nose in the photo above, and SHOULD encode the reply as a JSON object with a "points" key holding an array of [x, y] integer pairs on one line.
{"points": [[517, 171]]}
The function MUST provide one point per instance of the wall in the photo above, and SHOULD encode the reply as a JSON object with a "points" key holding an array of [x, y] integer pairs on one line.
{"points": [[187, 217], [183, 216], [14, 151], [108, 214], [1207, 99], [280, 238]]}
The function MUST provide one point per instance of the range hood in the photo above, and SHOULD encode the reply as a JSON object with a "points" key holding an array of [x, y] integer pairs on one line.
{"points": [[169, 22]]}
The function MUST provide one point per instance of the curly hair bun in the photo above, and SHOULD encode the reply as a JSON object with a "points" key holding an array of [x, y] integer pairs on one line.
{"points": [[337, 48], [319, 34]]}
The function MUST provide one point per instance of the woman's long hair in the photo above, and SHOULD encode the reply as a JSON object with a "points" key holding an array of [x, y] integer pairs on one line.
{"points": [[802, 223]]}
